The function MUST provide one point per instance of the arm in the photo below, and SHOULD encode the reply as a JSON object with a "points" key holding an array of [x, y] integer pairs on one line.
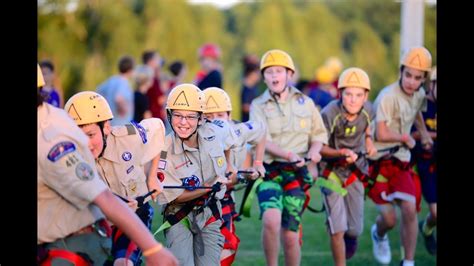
{"points": [[426, 140], [350, 155], [385, 134], [369, 142], [152, 180], [117, 212], [122, 106], [259, 153]]}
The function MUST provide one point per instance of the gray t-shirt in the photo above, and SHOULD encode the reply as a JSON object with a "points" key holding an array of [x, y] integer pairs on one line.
{"points": [[347, 134]]}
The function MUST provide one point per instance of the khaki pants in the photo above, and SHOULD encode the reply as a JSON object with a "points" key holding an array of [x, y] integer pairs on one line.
{"points": [[186, 245], [345, 214]]}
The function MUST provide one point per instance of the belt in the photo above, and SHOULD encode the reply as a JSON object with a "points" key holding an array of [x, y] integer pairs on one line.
{"points": [[100, 227]]}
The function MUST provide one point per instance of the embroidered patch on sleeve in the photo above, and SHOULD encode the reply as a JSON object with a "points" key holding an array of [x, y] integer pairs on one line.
{"points": [[141, 131], [60, 149], [218, 123], [84, 171], [163, 155], [162, 164], [160, 176]]}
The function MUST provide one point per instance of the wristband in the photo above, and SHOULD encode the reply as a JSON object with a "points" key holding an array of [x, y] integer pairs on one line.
{"points": [[152, 250], [258, 163]]}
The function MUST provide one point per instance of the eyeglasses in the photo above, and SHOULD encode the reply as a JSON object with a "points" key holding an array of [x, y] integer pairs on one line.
{"points": [[186, 117]]}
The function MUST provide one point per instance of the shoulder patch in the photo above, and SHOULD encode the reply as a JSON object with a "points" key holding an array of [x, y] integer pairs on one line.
{"points": [[141, 131], [249, 125], [60, 149], [84, 171], [218, 123]]}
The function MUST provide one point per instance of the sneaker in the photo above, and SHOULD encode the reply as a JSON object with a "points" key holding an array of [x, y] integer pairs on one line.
{"points": [[351, 246], [381, 247], [430, 240]]}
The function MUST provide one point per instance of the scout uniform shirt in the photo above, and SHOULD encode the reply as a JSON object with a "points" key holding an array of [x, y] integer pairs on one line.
{"points": [[67, 179], [246, 132], [348, 134], [178, 161], [398, 111], [292, 125], [128, 149]]}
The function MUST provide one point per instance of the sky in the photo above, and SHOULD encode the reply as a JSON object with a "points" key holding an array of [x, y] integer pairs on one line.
{"points": [[222, 4]]}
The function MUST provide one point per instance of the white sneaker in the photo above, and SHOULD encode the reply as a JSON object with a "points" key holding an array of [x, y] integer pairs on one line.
{"points": [[381, 247]]}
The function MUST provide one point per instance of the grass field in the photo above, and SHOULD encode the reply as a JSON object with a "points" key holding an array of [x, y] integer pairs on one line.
{"points": [[316, 248]]}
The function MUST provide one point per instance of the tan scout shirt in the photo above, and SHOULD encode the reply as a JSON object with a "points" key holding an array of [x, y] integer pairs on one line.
{"points": [[67, 179], [128, 149], [296, 128], [398, 111], [249, 132], [206, 163]]}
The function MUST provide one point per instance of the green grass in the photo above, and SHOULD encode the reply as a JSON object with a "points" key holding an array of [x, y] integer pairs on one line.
{"points": [[316, 247]]}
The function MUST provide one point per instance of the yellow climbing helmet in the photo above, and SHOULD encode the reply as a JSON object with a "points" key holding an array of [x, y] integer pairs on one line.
{"points": [[276, 57], [324, 75], [88, 107], [187, 97], [354, 77], [40, 77], [217, 100], [417, 58]]}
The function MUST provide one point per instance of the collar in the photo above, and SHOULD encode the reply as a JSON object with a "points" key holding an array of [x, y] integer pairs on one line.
{"points": [[266, 96], [178, 148]]}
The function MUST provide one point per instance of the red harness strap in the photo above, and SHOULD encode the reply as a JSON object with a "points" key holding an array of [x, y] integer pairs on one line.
{"points": [[231, 239], [228, 260], [70, 256]]}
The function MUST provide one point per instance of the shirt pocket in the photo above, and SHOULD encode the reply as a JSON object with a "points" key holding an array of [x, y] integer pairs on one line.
{"points": [[218, 161], [132, 180], [274, 122], [301, 120]]}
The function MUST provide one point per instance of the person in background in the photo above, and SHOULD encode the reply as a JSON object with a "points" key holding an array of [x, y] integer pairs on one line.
{"points": [[50, 93], [143, 79], [118, 92], [249, 89], [210, 74]]}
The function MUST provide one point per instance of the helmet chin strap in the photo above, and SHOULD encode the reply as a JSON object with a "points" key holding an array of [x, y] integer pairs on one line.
{"points": [[104, 138]]}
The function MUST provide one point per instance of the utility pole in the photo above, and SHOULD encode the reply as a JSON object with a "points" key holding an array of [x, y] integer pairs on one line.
{"points": [[412, 24]]}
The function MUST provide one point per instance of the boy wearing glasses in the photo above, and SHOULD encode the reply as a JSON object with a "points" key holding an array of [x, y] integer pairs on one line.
{"points": [[194, 155]]}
